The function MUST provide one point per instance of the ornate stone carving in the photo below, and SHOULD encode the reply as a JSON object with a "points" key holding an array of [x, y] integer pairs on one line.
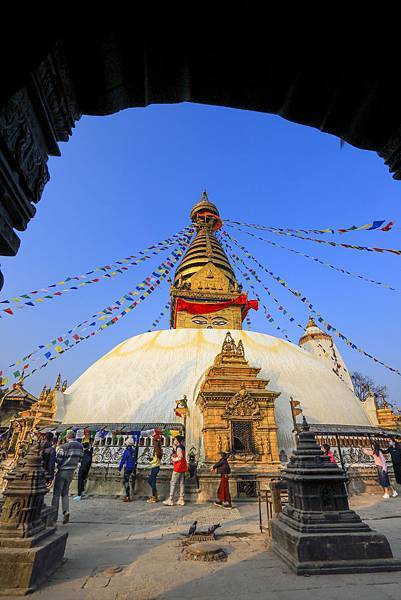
{"points": [[241, 405]]}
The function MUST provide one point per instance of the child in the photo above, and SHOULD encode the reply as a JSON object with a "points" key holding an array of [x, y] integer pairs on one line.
{"points": [[193, 469], [223, 493]]}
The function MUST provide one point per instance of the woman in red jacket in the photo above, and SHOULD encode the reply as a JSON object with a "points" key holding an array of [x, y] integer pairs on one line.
{"points": [[180, 467]]}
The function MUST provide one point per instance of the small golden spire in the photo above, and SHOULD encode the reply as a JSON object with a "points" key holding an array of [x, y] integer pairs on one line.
{"points": [[311, 322], [58, 382]]}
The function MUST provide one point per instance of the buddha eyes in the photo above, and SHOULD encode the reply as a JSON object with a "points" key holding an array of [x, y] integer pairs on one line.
{"points": [[215, 321], [219, 321], [199, 320]]}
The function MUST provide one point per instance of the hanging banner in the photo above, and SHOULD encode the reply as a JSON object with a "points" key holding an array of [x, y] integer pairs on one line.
{"points": [[198, 308], [53, 349], [374, 225], [311, 308], [316, 259], [108, 272], [317, 241]]}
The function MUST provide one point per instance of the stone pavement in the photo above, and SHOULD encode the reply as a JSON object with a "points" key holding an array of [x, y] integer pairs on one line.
{"points": [[133, 551]]}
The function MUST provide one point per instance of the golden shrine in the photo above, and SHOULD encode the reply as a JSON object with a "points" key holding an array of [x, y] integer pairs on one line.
{"points": [[41, 413], [238, 411]]}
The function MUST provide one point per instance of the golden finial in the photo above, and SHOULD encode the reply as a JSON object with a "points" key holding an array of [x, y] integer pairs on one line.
{"points": [[311, 322], [58, 382]]}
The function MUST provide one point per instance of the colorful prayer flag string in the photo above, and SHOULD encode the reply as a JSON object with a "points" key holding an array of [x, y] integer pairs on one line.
{"points": [[316, 259], [165, 308], [109, 271], [316, 240], [311, 308], [374, 225], [63, 343]]}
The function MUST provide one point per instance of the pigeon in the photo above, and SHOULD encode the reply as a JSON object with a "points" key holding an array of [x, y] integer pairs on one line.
{"points": [[192, 529], [213, 528]]}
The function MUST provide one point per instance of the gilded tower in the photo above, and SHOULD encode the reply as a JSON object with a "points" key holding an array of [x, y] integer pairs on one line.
{"points": [[205, 292]]}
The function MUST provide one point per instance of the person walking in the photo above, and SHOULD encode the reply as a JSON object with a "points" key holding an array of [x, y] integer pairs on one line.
{"points": [[180, 467], [155, 467], [394, 450], [68, 456], [48, 453], [84, 468], [223, 493], [381, 464], [129, 463], [327, 452]]}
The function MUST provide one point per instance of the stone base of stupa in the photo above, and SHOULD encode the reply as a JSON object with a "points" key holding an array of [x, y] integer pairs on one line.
{"points": [[324, 553], [25, 564]]}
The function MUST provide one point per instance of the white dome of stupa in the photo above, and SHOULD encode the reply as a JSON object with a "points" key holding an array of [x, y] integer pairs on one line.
{"points": [[140, 380]]}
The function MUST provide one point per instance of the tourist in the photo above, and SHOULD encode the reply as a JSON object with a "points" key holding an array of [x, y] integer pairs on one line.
{"points": [[84, 468], [155, 467], [68, 456], [327, 452], [193, 470], [48, 453], [381, 464], [394, 450], [128, 461], [223, 469], [180, 467]]}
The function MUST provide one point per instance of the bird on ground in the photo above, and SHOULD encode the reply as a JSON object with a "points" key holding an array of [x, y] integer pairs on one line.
{"points": [[213, 528], [192, 529]]}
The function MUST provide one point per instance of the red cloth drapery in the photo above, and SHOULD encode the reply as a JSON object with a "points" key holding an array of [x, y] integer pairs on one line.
{"points": [[199, 308]]}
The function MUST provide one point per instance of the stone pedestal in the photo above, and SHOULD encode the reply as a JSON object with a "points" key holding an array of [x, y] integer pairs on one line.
{"points": [[29, 550], [23, 568], [317, 533]]}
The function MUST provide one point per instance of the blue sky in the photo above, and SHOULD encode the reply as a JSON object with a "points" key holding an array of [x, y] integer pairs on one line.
{"points": [[130, 179]]}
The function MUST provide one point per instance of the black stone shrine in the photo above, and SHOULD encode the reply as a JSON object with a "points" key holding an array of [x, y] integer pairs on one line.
{"points": [[317, 533]]}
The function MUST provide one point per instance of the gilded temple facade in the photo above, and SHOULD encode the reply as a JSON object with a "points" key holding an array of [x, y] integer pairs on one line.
{"points": [[238, 412]]}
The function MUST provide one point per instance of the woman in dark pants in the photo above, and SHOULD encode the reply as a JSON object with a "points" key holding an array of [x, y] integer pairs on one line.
{"points": [[394, 450], [83, 471]]}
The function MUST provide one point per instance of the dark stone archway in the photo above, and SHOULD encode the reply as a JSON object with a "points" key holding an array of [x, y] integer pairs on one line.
{"points": [[59, 77]]}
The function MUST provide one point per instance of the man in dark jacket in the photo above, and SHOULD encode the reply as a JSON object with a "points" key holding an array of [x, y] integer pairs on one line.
{"points": [[49, 458], [83, 471], [128, 461], [223, 493], [68, 456]]}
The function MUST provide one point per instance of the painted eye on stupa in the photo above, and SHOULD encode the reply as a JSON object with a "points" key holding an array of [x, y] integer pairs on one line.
{"points": [[199, 320], [219, 322]]}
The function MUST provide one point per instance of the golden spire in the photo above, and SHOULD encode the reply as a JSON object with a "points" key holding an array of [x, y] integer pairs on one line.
{"points": [[205, 248], [311, 322]]}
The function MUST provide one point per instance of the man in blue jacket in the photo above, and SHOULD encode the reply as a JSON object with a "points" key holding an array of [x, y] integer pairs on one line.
{"points": [[128, 461]]}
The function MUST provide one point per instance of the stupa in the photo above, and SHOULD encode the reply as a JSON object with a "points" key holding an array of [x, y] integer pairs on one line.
{"points": [[238, 383]]}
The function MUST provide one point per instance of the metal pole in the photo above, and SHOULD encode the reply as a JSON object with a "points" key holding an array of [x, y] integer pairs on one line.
{"points": [[339, 452]]}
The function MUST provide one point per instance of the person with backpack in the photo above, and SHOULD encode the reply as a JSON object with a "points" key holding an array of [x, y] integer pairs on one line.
{"points": [[180, 467], [128, 461], [68, 456]]}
